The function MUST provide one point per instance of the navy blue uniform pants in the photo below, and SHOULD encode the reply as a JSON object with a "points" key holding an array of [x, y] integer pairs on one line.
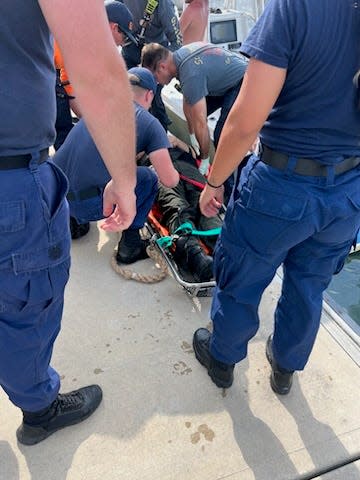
{"points": [[91, 209], [275, 217], [34, 269]]}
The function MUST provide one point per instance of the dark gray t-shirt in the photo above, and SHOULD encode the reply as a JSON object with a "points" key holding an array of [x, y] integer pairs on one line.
{"points": [[210, 72]]}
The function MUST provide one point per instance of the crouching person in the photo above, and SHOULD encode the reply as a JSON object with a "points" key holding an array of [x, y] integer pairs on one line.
{"points": [[87, 174]]}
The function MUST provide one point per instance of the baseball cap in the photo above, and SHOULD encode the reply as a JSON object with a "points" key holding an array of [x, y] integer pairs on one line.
{"points": [[118, 13], [142, 77]]}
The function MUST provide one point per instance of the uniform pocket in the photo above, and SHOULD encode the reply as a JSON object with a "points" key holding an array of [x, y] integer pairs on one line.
{"points": [[32, 292], [275, 204], [12, 216], [241, 272]]}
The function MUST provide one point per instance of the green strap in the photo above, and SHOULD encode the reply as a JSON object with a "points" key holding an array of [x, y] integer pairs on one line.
{"points": [[186, 229]]}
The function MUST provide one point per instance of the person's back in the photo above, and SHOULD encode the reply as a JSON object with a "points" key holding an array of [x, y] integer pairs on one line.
{"points": [[81, 161], [315, 112], [211, 72], [194, 21], [28, 85]]}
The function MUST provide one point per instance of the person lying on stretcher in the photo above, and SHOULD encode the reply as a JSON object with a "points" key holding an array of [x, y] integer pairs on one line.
{"points": [[179, 205]]}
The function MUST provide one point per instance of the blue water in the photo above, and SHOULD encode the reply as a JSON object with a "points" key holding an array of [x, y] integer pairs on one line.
{"points": [[344, 288]]}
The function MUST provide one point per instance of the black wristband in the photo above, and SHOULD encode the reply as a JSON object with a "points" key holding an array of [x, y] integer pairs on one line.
{"points": [[211, 185]]}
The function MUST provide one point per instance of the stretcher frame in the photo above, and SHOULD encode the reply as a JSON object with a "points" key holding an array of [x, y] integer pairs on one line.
{"points": [[156, 231]]}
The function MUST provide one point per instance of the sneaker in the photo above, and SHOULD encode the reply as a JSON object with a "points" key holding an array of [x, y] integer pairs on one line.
{"points": [[67, 409], [131, 247], [280, 379], [78, 230], [220, 373]]}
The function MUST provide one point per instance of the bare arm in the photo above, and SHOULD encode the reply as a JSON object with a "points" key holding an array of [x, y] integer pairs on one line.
{"points": [[185, 21], [187, 113], [261, 87], [92, 59], [161, 161], [198, 118]]}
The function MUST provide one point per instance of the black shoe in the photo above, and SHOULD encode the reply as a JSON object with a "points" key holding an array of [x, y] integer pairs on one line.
{"points": [[190, 256], [78, 230], [220, 373], [280, 379], [131, 247], [68, 409]]}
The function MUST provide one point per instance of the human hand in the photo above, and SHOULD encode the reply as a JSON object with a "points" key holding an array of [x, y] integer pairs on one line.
{"points": [[119, 206], [204, 166], [211, 200]]}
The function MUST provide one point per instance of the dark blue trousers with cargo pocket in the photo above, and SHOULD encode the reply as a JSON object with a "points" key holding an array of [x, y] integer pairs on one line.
{"points": [[34, 269], [277, 217], [91, 209]]}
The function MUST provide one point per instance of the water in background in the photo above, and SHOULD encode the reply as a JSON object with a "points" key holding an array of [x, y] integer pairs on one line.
{"points": [[344, 290]]}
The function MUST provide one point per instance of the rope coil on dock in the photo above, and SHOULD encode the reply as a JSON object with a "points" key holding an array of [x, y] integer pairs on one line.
{"points": [[128, 274]]}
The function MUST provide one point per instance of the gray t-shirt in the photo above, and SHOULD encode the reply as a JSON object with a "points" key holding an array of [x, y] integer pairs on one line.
{"points": [[207, 70]]}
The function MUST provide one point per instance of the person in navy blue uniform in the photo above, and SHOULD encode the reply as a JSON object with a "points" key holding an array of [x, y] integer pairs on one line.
{"points": [[162, 28], [296, 203], [35, 238], [83, 165]]}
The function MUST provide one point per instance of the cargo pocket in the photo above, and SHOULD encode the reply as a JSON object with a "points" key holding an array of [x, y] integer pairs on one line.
{"points": [[32, 293], [269, 220], [241, 272]]}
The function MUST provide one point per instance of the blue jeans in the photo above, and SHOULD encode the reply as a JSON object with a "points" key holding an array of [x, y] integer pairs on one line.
{"points": [[278, 217], [34, 269]]}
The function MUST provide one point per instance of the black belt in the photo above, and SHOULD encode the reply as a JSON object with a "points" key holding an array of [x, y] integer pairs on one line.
{"points": [[11, 162], [85, 194], [306, 166]]}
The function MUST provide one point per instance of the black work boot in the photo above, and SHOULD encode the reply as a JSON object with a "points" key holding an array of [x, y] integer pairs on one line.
{"points": [[131, 247], [67, 409], [192, 257], [220, 373], [280, 379], [78, 230]]}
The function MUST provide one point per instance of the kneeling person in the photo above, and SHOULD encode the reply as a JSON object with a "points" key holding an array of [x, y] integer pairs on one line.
{"points": [[87, 174]]}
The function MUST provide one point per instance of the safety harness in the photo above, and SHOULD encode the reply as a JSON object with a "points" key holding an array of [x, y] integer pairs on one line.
{"points": [[150, 8]]}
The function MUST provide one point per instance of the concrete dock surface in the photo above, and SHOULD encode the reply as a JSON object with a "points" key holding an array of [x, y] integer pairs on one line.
{"points": [[161, 417]]}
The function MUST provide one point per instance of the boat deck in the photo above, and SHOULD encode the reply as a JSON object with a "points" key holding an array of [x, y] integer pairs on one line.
{"points": [[161, 417]]}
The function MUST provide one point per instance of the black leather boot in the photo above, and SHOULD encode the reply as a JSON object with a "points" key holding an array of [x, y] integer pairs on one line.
{"points": [[221, 374], [280, 379], [190, 256], [78, 230], [67, 409], [131, 247]]}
